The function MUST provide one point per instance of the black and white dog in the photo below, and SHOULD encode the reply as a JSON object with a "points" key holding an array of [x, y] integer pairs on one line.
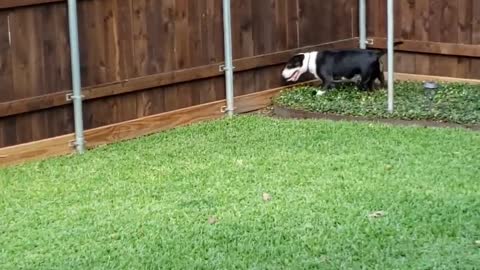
{"points": [[333, 65]]}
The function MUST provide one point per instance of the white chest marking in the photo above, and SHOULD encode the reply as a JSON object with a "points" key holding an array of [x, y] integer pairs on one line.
{"points": [[312, 64]]}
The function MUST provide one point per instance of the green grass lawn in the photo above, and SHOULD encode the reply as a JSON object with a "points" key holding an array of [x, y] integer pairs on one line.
{"points": [[453, 102], [192, 198]]}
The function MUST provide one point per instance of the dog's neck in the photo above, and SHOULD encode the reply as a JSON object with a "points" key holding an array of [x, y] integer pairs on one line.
{"points": [[311, 63]]}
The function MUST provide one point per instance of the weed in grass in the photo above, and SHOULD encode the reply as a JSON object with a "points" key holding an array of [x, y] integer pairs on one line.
{"points": [[266, 197], [376, 214]]}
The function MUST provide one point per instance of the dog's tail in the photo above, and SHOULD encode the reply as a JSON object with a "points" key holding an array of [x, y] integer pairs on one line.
{"points": [[384, 51]]}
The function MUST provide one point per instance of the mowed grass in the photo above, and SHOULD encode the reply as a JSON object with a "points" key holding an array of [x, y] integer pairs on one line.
{"points": [[192, 198]]}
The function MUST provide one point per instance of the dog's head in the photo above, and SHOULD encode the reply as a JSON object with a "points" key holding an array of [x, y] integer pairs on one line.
{"points": [[295, 67]]}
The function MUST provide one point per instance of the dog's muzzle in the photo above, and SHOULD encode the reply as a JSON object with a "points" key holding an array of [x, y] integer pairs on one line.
{"points": [[291, 75]]}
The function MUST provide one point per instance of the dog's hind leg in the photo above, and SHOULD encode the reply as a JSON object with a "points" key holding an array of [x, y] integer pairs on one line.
{"points": [[368, 78], [370, 84], [364, 85], [370, 75], [379, 74], [381, 78]]}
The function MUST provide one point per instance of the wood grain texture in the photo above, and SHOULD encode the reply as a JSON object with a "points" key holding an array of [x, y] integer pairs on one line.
{"points": [[422, 25], [5, 4], [439, 35], [242, 43], [429, 47], [423, 78], [464, 35], [293, 26], [475, 63], [309, 12], [6, 65], [151, 124], [404, 29], [8, 131], [162, 79], [345, 20], [36, 150], [446, 66]]}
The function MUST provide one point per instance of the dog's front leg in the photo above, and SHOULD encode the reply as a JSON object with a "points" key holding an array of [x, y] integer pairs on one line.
{"points": [[328, 84], [328, 81]]}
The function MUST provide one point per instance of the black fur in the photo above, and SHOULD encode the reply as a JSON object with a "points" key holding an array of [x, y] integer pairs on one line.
{"points": [[331, 65]]}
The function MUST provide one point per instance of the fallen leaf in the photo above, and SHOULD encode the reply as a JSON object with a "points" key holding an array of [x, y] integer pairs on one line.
{"points": [[212, 220], [266, 197], [115, 236], [376, 214], [388, 167]]}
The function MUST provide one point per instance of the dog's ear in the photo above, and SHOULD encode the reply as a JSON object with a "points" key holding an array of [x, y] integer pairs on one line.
{"points": [[296, 61]]}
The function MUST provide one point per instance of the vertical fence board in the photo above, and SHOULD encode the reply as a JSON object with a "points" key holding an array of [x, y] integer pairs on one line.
{"points": [[292, 24], [6, 69], [404, 29], [28, 78], [315, 21], [7, 133], [422, 26], [475, 63], [243, 45], [210, 34]]}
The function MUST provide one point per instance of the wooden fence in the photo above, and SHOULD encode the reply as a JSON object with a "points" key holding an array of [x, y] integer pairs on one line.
{"points": [[145, 57], [442, 37]]}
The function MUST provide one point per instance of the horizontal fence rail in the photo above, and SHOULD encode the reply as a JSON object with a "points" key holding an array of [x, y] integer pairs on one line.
{"points": [[429, 47], [162, 79], [5, 4]]}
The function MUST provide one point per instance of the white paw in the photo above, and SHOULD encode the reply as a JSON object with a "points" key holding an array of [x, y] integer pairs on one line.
{"points": [[320, 93]]}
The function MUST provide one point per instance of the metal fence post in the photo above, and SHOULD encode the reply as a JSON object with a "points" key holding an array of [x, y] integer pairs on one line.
{"points": [[390, 38], [76, 79], [228, 68], [362, 23]]}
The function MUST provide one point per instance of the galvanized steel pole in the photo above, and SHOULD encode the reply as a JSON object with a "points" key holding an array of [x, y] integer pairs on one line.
{"points": [[390, 39], [76, 79], [228, 68], [362, 24]]}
